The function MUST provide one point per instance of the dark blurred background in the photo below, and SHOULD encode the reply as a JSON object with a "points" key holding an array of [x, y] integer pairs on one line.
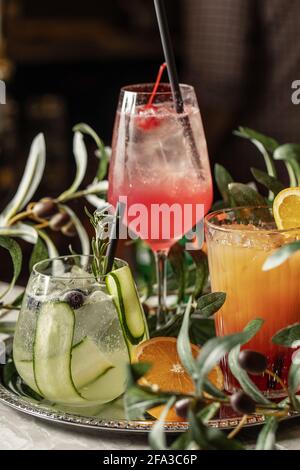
{"points": [[65, 61]]}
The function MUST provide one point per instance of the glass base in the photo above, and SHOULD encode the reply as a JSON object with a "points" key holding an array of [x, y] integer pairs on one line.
{"points": [[266, 383], [271, 394]]}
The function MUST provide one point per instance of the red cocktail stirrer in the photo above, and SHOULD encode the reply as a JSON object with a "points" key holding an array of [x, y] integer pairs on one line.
{"points": [[157, 82], [148, 121]]}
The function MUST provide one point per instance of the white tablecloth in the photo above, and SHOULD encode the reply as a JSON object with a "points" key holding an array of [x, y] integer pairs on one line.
{"points": [[19, 432]]}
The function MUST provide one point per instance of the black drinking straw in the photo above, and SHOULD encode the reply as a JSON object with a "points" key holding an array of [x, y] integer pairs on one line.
{"points": [[113, 239], [169, 54], [173, 75]]}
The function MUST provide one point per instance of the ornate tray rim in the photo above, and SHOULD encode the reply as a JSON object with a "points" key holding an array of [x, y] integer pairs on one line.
{"points": [[44, 412]]}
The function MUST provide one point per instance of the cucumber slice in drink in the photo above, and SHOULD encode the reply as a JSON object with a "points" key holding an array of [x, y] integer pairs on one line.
{"points": [[25, 370], [107, 387], [52, 353], [88, 363], [121, 286]]}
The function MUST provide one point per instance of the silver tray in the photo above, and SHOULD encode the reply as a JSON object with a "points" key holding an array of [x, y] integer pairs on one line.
{"points": [[16, 394]]}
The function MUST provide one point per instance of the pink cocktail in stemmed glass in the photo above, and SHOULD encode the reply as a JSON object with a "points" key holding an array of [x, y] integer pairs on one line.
{"points": [[155, 165]]}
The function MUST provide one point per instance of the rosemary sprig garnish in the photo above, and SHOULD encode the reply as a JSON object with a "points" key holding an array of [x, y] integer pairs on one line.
{"points": [[101, 220]]}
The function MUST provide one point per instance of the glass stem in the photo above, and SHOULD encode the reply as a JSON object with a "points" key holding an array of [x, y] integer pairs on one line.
{"points": [[161, 277]]}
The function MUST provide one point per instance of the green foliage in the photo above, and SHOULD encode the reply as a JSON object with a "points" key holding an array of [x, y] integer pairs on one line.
{"points": [[266, 438], [39, 253], [270, 182], [243, 195], [16, 255], [223, 179], [103, 156], [266, 146], [281, 255], [287, 336]]}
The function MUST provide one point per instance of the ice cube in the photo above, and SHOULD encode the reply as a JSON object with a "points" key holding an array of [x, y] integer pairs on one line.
{"points": [[98, 296]]}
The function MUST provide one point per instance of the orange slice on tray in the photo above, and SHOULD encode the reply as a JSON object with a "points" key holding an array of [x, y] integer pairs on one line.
{"points": [[167, 372]]}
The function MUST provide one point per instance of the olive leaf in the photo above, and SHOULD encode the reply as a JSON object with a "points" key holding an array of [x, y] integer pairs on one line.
{"points": [[18, 300], [171, 328], [219, 205], [290, 154], [266, 145], [20, 230], [93, 191], [216, 348], [244, 195], [266, 437], [80, 154], [103, 164], [243, 378], [280, 256], [136, 371], [210, 303], [240, 374], [202, 272], [208, 438], [16, 255], [294, 381], [39, 253], [137, 401], [201, 329], [208, 412], [157, 436], [31, 179], [185, 353], [97, 201], [7, 327], [223, 179], [81, 232], [183, 343], [183, 441], [287, 336], [176, 258], [270, 182], [52, 251]]}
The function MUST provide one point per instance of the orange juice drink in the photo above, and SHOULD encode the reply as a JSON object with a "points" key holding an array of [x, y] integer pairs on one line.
{"points": [[239, 242]]}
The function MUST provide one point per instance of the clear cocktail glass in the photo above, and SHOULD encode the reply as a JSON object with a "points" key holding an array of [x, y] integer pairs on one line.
{"points": [[71, 343]]}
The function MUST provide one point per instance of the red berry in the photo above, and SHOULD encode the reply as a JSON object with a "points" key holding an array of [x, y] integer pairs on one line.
{"points": [[146, 119]]}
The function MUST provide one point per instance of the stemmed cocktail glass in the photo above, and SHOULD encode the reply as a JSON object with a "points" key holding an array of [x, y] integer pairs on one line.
{"points": [[159, 169]]}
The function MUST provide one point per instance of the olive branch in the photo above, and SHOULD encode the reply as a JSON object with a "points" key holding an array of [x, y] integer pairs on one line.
{"points": [[34, 221]]}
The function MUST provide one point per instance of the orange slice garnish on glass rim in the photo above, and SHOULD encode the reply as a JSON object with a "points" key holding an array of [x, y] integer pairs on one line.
{"points": [[167, 372], [286, 209]]}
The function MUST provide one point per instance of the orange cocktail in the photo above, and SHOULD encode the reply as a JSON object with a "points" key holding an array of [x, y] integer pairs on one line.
{"points": [[239, 241]]}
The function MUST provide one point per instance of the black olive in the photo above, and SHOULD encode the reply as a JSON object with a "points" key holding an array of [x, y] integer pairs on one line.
{"points": [[182, 407], [253, 362], [59, 220], [45, 208], [75, 298], [242, 403]]}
